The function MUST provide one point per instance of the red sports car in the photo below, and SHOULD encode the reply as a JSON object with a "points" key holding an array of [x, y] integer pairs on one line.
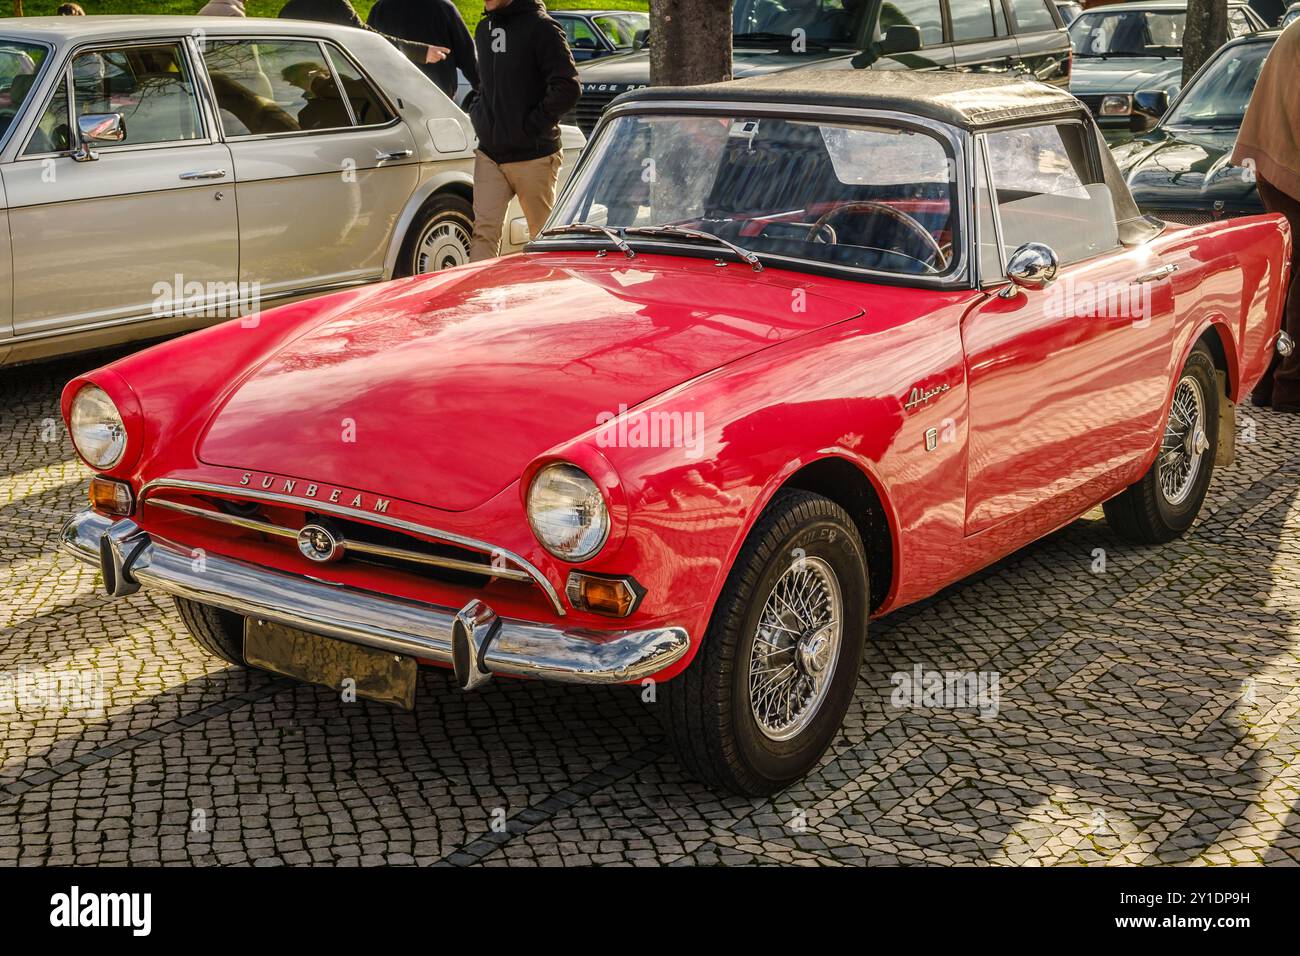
{"points": [[794, 352]]}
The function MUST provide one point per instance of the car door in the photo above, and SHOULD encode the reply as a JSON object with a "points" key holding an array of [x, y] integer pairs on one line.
{"points": [[981, 41], [140, 228], [1068, 382], [323, 165]]}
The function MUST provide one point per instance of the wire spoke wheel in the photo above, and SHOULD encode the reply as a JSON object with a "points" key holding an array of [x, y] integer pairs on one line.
{"points": [[1184, 442], [796, 647], [444, 244]]}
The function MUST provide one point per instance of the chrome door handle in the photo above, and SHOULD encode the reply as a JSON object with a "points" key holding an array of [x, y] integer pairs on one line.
{"points": [[205, 174], [395, 154], [1159, 273]]}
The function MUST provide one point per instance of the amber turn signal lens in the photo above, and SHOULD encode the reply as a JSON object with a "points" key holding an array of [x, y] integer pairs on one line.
{"points": [[617, 597], [111, 497]]}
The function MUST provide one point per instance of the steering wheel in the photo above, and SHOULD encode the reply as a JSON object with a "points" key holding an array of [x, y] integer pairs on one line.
{"points": [[935, 255]]}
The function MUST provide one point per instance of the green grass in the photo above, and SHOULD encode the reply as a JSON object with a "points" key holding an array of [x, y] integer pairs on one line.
{"points": [[471, 9]]}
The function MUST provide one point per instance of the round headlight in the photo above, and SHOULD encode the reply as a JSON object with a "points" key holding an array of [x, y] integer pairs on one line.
{"points": [[567, 512], [97, 428]]}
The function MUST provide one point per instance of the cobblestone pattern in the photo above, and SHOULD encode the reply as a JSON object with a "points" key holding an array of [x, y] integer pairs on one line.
{"points": [[1148, 713]]}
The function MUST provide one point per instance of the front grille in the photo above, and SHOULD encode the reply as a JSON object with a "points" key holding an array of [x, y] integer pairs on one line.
{"points": [[1186, 217], [1092, 102], [591, 106]]}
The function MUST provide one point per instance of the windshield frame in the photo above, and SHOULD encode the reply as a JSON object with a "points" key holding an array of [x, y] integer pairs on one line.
{"points": [[36, 94], [1228, 49], [956, 141]]}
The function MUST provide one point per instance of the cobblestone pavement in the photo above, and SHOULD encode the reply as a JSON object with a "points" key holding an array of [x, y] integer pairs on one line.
{"points": [[1149, 712]]}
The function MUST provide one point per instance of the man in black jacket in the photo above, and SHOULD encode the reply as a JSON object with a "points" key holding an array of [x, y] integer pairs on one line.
{"points": [[343, 13], [436, 22], [527, 82]]}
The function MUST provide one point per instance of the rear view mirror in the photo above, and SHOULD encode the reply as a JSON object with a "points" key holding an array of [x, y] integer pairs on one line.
{"points": [[902, 38], [1032, 266], [97, 128], [1152, 103]]}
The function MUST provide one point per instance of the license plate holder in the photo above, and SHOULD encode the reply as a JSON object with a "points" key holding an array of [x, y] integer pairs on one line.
{"points": [[379, 675]]}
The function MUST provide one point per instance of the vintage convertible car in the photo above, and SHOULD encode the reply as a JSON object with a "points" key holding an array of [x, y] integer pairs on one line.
{"points": [[163, 173], [790, 355]]}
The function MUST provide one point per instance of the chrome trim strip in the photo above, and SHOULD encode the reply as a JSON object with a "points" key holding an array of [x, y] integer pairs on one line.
{"points": [[349, 544], [518, 648], [343, 511]]}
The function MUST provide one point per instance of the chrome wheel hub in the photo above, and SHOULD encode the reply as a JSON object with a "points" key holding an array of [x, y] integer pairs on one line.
{"points": [[1185, 442], [444, 244], [795, 649]]}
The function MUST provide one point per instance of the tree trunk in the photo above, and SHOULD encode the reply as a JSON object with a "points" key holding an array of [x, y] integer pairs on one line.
{"points": [[690, 42], [1207, 30], [18, 8]]}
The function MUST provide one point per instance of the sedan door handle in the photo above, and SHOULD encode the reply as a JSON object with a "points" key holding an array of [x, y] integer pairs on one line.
{"points": [[395, 154], [1159, 273], [205, 174]]}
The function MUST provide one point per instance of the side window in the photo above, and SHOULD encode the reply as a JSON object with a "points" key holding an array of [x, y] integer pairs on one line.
{"points": [[274, 86], [1032, 16], [989, 256], [1238, 24], [971, 19], [926, 15], [368, 107], [1045, 192], [53, 133], [581, 35], [150, 86]]}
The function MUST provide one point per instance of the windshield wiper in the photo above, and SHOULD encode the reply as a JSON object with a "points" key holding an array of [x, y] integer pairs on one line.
{"points": [[784, 39], [591, 229], [679, 232]]}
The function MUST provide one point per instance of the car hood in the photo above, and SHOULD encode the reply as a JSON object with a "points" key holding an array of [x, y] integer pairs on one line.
{"points": [[1186, 169], [1092, 76], [442, 389], [634, 68]]}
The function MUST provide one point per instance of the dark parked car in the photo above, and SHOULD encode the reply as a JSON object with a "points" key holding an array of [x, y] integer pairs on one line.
{"points": [[597, 33], [1179, 170], [1128, 60], [986, 36]]}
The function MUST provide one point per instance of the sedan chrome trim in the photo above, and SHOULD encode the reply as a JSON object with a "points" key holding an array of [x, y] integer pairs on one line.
{"points": [[349, 544], [343, 511], [132, 558]]}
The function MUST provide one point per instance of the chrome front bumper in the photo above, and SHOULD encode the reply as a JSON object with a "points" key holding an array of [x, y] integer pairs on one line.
{"points": [[474, 640]]}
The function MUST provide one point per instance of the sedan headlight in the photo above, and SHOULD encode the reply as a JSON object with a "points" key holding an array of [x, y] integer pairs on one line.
{"points": [[1116, 105], [97, 429], [567, 512]]}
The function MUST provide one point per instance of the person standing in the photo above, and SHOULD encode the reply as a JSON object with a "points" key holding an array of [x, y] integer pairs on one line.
{"points": [[223, 8], [1269, 144], [343, 13], [436, 22], [527, 82]]}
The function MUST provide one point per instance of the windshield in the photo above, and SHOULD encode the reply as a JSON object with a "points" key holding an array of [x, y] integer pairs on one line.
{"points": [[1218, 98], [1291, 14], [622, 28], [1128, 33], [819, 22], [19, 65], [877, 197]]}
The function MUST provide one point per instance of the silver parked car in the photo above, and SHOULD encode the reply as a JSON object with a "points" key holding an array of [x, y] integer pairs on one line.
{"points": [[162, 173]]}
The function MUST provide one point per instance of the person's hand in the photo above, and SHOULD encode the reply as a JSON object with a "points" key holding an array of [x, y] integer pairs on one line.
{"points": [[437, 54]]}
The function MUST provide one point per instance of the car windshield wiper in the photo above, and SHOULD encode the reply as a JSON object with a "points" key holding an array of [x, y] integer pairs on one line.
{"points": [[591, 229], [785, 39], [679, 232]]}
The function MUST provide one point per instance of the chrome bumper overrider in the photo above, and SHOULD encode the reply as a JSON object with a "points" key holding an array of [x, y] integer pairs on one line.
{"points": [[474, 640]]}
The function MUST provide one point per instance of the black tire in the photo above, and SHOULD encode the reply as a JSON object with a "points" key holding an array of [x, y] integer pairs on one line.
{"points": [[1143, 512], [707, 709], [218, 632], [445, 210]]}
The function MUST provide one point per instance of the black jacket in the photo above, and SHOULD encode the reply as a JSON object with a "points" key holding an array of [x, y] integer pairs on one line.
{"points": [[438, 23], [527, 82], [343, 13]]}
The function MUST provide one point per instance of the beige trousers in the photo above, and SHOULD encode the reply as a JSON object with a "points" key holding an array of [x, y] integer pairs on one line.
{"points": [[495, 184]]}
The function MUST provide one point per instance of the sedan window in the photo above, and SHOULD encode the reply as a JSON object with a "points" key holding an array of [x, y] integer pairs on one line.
{"points": [[150, 86], [19, 63], [925, 15], [275, 86], [1045, 192], [971, 19], [368, 108]]}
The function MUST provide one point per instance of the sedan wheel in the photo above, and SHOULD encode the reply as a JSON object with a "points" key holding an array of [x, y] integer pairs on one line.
{"points": [[439, 237]]}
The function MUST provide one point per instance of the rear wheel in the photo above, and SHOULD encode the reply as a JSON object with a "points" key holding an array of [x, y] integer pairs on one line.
{"points": [[439, 237], [1166, 500], [220, 633], [769, 688]]}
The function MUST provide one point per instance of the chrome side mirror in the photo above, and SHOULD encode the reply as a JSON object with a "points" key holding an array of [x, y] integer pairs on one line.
{"points": [[1032, 266], [97, 128]]}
